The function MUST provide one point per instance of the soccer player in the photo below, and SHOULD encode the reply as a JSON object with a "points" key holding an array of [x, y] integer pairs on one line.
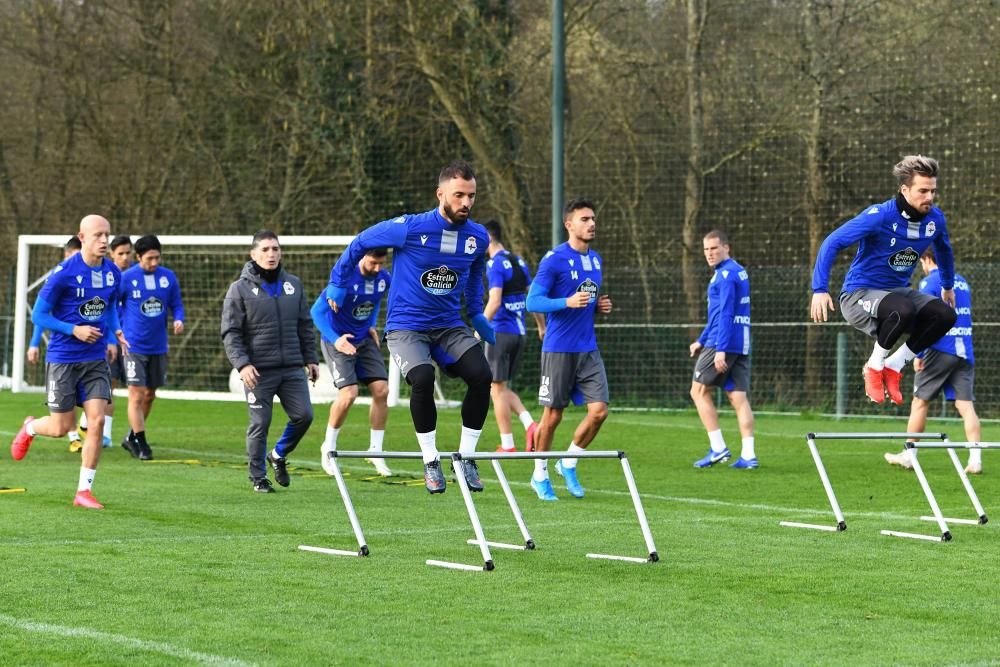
{"points": [[268, 336], [724, 359], [353, 351], [947, 365], [508, 280], [77, 305], [566, 287], [439, 259], [149, 291], [34, 353], [121, 255], [876, 297]]}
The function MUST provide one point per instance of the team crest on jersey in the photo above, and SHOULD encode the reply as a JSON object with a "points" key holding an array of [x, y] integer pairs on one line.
{"points": [[441, 280], [111, 279], [931, 228], [363, 310], [470, 245], [588, 286], [93, 310], [164, 283], [289, 288], [381, 285], [152, 307], [904, 260]]}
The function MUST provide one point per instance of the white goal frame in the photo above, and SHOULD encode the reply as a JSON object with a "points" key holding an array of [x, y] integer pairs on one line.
{"points": [[22, 309]]}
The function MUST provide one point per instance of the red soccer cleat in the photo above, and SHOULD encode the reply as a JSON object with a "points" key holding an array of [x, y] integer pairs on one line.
{"points": [[19, 446], [874, 384], [892, 379], [87, 499], [529, 437], [501, 449]]}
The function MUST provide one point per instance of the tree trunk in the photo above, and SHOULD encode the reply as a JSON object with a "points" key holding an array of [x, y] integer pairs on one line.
{"points": [[694, 180]]}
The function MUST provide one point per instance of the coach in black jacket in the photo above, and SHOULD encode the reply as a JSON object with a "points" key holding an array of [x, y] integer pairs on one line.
{"points": [[269, 337]]}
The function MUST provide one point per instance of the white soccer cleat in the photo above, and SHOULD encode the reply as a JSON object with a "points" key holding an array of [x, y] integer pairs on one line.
{"points": [[325, 460], [380, 467], [974, 469], [902, 459]]}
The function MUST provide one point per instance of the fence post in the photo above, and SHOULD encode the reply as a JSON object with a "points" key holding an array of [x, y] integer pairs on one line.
{"points": [[841, 374]]}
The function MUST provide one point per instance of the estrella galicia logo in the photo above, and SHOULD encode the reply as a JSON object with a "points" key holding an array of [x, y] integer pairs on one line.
{"points": [[439, 281], [904, 260], [152, 307], [93, 310], [363, 310], [588, 286]]}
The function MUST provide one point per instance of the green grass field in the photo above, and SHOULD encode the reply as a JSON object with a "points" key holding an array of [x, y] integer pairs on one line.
{"points": [[187, 565]]}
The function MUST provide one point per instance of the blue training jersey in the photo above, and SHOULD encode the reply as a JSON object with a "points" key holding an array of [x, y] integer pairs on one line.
{"points": [[562, 273], [958, 340], [81, 295], [510, 273], [890, 245], [431, 269], [360, 309], [728, 327], [146, 298]]}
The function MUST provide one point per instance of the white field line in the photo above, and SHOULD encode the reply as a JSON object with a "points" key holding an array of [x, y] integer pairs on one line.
{"points": [[68, 632]]}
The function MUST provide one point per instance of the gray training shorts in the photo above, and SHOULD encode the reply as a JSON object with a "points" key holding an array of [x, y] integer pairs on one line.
{"points": [[860, 307], [737, 378], [944, 371], [72, 384], [366, 365], [576, 376], [505, 356], [444, 347], [145, 370]]}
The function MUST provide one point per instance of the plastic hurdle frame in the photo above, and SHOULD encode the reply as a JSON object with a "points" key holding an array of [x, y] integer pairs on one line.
{"points": [[912, 447], [841, 524], [458, 461]]}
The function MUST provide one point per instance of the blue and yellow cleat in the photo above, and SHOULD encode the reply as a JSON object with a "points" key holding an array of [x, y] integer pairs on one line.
{"points": [[572, 484], [712, 458], [745, 464], [544, 489]]}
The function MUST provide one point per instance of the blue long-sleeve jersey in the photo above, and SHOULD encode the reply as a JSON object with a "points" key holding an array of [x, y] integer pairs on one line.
{"points": [[728, 327], [890, 245], [511, 274], [562, 273], [958, 340], [431, 269], [146, 298], [77, 294], [359, 311]]}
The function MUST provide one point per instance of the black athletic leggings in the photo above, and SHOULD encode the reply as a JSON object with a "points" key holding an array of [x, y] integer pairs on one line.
{"points": [[897, 315], [472, 368]]}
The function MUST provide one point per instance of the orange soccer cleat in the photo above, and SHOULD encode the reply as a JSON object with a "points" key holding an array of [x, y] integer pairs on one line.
{"points": [[892, 379], [21, 442], [86, 499], [874, 384]]}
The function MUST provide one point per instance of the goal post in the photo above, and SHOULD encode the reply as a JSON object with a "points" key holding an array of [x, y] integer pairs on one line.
{"points": [[205, 266]]}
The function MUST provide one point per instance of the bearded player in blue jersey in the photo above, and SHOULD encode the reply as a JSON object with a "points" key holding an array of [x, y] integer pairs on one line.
{"points": [[438, 262], [77, 304], [724, 359], [876, 297], [353, 351], [566, 288], [149, 292], [949, 366]]}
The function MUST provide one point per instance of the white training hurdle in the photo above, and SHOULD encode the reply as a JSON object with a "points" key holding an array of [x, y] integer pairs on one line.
{"points": [[458, 462], [912, 447]]}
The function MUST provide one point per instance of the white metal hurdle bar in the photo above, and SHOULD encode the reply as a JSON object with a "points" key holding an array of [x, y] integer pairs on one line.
{"points": [[966, 483], [841, 525], [480, 538]]}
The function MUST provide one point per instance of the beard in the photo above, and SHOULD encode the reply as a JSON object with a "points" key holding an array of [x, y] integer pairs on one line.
{"points": [[455, 216]]}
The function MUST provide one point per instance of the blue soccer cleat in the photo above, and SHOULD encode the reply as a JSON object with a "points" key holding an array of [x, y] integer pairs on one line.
{"points": [[745, 464], [572, 484], [544, 489], [106, 443], [712, 458]]}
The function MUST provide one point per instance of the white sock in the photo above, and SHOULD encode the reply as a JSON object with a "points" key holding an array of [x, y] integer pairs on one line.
{"points": [[470, 438], [86, 479], [73, 436], [541, 470], [331, 437], [526, 419], [30, 428], [275, 455], [107, 427], [716, 441], [572, 449], [900, 357], [877, 360], [507, 441], [375, 440], [428, 445], [975, 457], [83, 421], [748, 452]]}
